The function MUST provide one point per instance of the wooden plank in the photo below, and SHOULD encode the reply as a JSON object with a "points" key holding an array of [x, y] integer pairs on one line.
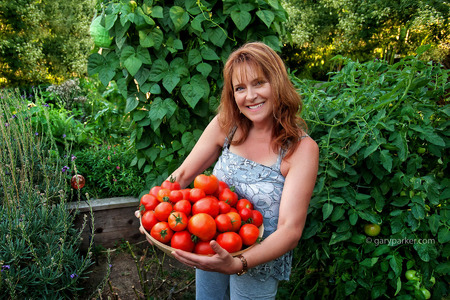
{"points": [[114, 221], [103, 204]]}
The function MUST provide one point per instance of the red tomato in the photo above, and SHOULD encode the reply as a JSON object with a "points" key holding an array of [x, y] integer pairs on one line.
{"points": [[229, 196], [163, 210], [148, 202], [224, 207], [154, 191], [207, 182], [170, 184], [196, 194], [186, 193], [175, 196], [206, 205], [177, 221], [222, 185], [245, 213], [182, 240], [223, 223], [243, 203], [233, 209], [77, 182], [183, 206], [235, 220], [162, 232], [249, 234], [203, 248], [230, 241], [203, 226], [149, 220], [163, 195], [257, 218]]}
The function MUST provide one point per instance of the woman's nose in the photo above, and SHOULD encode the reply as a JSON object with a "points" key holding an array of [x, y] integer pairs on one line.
{"points": [[251, 93]]}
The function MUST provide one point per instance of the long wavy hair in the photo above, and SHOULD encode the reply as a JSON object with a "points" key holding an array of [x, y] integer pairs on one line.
{"points": [[287, 102]]}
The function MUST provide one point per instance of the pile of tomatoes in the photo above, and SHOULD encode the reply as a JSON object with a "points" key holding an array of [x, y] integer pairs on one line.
{"points": [[190, 218]]}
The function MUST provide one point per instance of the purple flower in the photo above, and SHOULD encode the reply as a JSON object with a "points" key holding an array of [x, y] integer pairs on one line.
{"points": [[46, 105], [37, 133], [14, 116], [6, 124], [73, 157], [65, 168], [5, 267], [73, 275], [118, 167], [64, 136]]}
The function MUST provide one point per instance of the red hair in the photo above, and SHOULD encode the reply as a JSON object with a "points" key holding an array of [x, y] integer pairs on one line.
{"points": [[287, 102]]}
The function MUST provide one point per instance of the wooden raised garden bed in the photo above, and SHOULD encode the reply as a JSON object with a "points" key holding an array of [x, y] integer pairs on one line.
{"points": [[114, 221]]}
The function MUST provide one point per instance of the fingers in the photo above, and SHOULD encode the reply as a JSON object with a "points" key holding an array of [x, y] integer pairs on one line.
{"points": [[137, 213], [218, 249]]}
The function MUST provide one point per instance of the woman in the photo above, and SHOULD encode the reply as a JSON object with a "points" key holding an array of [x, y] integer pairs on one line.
{"points": [[261, 149]]}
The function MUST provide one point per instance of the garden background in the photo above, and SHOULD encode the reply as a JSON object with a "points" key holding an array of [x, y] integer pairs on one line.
{"points": [[119, 91]]}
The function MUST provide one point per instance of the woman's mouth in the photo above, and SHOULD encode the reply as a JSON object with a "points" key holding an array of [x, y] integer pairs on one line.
{"points": [[256, 106]]}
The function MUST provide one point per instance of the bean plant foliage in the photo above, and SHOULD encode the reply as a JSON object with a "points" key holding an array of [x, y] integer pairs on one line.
{"points": [[383, 131], [166, 58]]}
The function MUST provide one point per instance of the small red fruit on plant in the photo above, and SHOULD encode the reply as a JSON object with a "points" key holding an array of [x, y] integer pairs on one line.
{"points": [[148, 202], [77, 181], [177, 221]]}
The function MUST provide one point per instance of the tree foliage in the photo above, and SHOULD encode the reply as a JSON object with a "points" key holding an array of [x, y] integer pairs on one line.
{"points": [[167, 58], [366, 29], [42, 40]]}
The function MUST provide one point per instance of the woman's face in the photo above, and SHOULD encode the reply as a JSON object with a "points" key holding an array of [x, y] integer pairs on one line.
{"points": [[253, 93]]}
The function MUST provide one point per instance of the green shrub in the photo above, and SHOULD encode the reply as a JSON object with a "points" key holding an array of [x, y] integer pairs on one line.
{"points": [[383, 132], [107, 171], [39, 257]]}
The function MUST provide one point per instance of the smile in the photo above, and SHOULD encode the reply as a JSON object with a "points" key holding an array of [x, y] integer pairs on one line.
{"points": [[256, 106]]}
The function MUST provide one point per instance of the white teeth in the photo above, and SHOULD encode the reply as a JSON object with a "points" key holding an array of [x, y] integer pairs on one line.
{"points": [[256, 106]]}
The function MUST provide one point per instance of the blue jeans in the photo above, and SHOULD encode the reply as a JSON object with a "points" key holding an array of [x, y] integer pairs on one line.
{"points": [[217, 286]]}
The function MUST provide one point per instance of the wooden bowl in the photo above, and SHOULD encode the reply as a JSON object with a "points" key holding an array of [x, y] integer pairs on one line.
{"points": [[168, 250]]}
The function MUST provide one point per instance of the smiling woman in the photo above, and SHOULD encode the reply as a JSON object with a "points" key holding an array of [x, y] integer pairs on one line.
{"points": [[261, 148]]}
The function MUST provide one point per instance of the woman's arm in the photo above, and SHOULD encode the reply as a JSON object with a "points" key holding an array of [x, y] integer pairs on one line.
{"points": [[300, 179], [203, 155]]}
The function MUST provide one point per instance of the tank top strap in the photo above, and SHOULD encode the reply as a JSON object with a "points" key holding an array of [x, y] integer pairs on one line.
{"points": [[229, 137]]}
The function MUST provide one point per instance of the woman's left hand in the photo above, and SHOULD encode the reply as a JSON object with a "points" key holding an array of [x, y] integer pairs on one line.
{"points": [[221, 262]]}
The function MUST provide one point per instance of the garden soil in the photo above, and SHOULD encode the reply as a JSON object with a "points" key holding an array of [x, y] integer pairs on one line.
{"points": [[166, 277]]}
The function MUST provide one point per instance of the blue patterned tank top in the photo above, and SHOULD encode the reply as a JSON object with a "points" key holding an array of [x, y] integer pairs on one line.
{"points": [[262, 185]]}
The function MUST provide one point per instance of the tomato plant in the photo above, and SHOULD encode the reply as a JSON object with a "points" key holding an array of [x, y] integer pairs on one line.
{"points": [[230, 241], [207, 182]]}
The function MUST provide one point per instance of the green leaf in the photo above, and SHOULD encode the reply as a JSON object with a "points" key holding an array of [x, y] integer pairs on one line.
{"points": [[209, 54], [196, 24], [327, 209], [157, 12], [170, 81], [369, 150], [130, 60], [132, 103], [217, 36], [104, 66], [241, 19], [204, 68], [179, 17], [426, 250], [369, 262], [386, 160], [381, 249], [192, 94], [350, 287], [158, 70], [443, 235], [396, 264], [339, 237], [266, 16], [422, 49], [194, 57]]}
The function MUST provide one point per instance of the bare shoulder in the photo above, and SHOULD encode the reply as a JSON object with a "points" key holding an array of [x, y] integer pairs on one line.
{"points": [[305, 156], [214, 132]]}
